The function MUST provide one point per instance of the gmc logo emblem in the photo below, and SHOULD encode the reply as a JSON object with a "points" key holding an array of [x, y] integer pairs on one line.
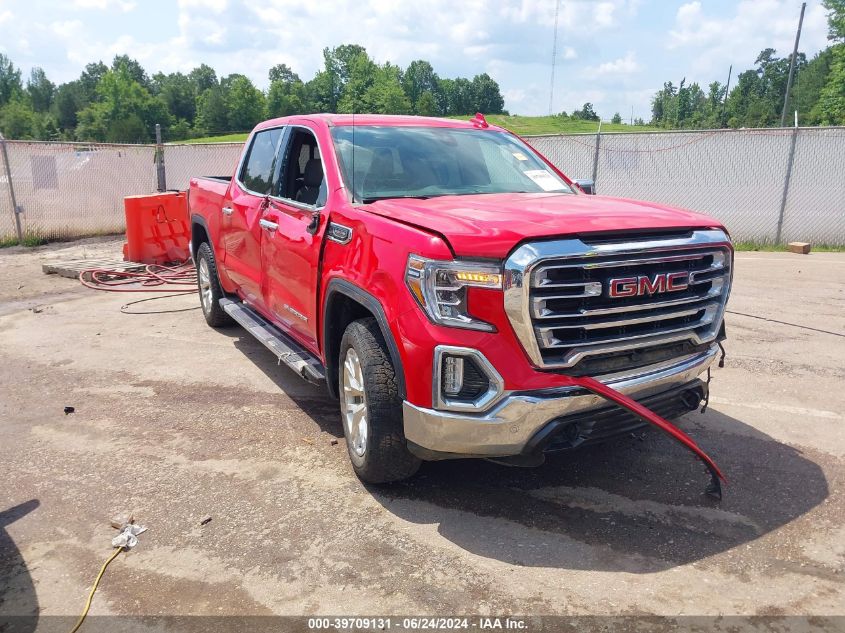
{"points": [[645, 285]]}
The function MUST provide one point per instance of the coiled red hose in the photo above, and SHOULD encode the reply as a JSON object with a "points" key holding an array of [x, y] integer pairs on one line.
{"points": [[153, 278]]}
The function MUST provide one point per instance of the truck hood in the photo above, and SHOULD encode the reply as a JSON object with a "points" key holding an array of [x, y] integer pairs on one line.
{"points": [[491, 225]]}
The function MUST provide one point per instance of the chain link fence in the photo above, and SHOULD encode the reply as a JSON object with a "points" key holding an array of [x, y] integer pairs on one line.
{"points": [[767, 186]]}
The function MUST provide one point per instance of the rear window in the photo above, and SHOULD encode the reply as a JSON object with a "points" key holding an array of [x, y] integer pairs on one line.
{"points": [[259, 166]]}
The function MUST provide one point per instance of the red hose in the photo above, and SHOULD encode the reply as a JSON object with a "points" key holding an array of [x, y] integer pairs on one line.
{"points": [[153, 278]]}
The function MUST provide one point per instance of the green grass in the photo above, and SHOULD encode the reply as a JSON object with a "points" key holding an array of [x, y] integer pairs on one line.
{"points": [[522, 125], [28, 240], [781, 248], [528, 125], [238, 137]]}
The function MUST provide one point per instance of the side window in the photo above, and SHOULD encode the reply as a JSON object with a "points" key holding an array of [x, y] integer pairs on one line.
{"points": [[302, 178], [258, 168]]}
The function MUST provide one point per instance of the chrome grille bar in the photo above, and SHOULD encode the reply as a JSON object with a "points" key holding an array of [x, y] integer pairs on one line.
{"points": [[558, 329]]}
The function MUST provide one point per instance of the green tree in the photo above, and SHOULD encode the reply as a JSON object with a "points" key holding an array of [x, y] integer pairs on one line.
{"points": [[204, 78], [385, 95], [586, 113], [212, 113], [10, 80], [809, 85], [124, 112], [179, 94], [284, 74], [835, 19], [830, 109], [418, 79], [132, 68], [458, 96], [426, 105], [89, 80], [40, 90], [286, 97], [244, 103], [617, 118], [831, 105], [69, 99], [17, 119], [486, 96], [358, 74]]}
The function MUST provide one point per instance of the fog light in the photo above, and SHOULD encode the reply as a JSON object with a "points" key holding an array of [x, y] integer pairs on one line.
{"points": [[453, 375]]}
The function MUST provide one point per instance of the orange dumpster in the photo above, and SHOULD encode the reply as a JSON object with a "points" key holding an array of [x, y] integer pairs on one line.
{"points": [[157, 228]]}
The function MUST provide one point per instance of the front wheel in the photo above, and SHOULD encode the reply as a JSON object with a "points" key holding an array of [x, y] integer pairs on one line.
{"points": [[371, 407], [209, 288]]}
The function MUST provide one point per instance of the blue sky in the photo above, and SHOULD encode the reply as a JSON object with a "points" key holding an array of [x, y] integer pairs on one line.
{"points": [[614, 53]]}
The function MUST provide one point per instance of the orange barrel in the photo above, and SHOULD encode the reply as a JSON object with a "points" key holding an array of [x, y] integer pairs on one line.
{"points": [[157, 228]]}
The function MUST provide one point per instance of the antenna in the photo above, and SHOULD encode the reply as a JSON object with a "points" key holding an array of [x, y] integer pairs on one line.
{"points": [[554, 61]]}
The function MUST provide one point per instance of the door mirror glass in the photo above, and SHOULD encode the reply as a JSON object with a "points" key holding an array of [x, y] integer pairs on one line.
{"points": [[587, 185]]}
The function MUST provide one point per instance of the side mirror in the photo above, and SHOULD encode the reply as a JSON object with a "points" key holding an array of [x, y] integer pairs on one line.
{"points": [[587, 185]]}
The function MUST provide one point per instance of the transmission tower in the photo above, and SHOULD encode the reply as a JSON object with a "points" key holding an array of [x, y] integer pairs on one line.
{"points": [[554, 61]]}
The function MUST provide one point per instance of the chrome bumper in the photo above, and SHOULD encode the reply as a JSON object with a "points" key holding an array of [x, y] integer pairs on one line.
{"points": [[507, 428]]}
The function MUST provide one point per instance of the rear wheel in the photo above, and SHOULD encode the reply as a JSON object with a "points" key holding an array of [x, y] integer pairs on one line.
{"points": [[209, 288], [371, 408]]}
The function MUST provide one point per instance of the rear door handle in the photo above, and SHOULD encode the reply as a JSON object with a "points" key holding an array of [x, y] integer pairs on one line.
{"points": [[227, 210], [270, 226]]}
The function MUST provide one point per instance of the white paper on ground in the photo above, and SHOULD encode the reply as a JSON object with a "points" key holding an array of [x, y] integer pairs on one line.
{"points": [[543, 178]]}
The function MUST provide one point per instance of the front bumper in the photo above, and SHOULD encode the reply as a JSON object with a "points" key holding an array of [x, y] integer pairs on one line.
{"points": [[514, 424]]}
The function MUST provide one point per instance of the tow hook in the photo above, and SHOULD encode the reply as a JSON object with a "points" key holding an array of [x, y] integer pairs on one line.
{"points": [[714, 488]]}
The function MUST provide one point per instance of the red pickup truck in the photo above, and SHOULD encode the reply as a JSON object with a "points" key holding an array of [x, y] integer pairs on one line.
{"points": [[457, 293]]}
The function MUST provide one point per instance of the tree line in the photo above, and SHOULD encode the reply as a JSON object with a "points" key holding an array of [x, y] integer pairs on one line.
{"points": [[757, 97], [122, 103]]}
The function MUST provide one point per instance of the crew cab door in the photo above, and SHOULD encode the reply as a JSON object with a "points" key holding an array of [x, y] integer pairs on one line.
{"points": [[292, 234], [242, 211]]}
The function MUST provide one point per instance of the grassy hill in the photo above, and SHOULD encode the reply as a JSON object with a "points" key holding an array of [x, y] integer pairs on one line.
{"points": [[522, 125]]}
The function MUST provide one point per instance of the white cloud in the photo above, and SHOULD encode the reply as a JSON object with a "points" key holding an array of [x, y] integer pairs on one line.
{"points": [[569, 53], [120, 5], [622, 66], [5, 16], [719, 39]]}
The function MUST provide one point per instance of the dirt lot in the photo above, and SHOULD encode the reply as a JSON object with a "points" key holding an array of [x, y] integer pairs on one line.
{"points": [[176, 421]]}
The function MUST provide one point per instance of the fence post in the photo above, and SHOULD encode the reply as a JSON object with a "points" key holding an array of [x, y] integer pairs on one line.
{"points": [[789, 163], [161, 176], [16, 211], [596, 157]]}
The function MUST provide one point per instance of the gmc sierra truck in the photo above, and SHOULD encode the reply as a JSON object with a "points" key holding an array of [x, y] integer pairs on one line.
{"points": [[459, 294]]}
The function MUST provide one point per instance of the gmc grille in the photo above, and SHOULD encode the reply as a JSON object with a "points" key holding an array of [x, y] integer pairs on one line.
{"points": [[559, 300]]}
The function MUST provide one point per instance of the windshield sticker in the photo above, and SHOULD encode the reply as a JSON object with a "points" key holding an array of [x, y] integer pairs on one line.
{"points": [[544, 179], [520, 156]]}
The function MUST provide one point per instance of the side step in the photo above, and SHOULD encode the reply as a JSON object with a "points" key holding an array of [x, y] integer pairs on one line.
{"points": [[285, 348]]}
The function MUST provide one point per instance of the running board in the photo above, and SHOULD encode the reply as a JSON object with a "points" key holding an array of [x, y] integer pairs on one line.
{"points": [[285, 348]]}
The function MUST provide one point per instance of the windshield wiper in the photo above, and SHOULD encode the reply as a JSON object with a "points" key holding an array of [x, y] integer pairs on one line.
{"points": [[370, 199]]}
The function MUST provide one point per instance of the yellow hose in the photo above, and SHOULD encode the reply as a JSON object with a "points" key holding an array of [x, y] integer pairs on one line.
{"points": [[94, 589]]}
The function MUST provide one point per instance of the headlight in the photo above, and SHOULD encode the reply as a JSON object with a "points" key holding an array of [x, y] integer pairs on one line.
{"points": [[440, 287]]}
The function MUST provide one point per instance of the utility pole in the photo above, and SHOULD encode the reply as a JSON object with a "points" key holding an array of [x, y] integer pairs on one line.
{"points": [[554, 61], [727, 90], [792, 67]]}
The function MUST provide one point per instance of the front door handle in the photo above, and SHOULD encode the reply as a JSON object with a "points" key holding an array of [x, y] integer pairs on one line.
{"points": [[270, 226], [227, 210]]}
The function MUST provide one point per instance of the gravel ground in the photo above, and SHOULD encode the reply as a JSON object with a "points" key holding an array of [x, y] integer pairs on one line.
{"points": [[175, 421]]}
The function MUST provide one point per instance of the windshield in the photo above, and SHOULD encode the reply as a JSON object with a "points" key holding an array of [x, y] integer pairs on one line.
{"points": [[419, 162]]}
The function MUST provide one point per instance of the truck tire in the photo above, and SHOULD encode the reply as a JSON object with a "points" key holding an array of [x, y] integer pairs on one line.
{"points": [[209, 288], [371, 408]]}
